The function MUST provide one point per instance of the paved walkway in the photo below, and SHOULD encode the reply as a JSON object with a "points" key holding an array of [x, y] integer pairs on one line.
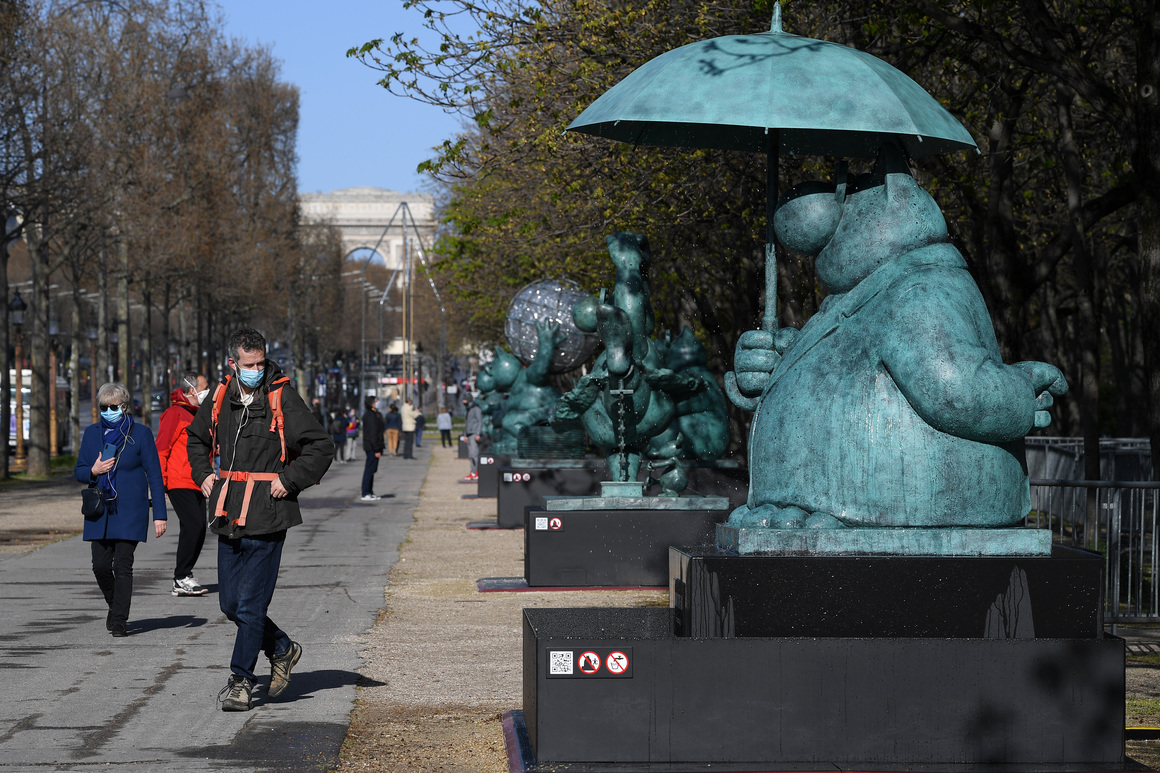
{"points": [[71, 696]]}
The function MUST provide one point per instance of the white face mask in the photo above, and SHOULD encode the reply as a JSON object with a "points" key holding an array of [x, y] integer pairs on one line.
{"points": [[202, 395]]}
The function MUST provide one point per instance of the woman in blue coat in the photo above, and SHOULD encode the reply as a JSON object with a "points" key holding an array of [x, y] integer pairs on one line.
{"points": [[120, 457]]}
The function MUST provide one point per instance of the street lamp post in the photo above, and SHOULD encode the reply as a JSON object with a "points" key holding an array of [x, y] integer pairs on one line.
{"points": [[16, 309]]}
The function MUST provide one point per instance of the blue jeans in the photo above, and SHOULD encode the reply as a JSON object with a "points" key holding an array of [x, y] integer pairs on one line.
{"points": [[247, 574], [369, 469]]}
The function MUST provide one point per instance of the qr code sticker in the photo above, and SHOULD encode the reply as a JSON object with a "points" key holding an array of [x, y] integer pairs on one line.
{"points": [[541, 523], [560, 662]]}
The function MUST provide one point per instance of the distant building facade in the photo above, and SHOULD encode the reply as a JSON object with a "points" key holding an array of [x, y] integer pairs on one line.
{"points": [[367, 216]]}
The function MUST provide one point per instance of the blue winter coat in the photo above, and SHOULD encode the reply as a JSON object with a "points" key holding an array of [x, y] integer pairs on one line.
{"points": [[138, 479]]}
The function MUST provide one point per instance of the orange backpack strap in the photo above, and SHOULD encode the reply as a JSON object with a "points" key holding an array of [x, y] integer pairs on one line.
{"points": [[277, 419], [219, 397]]}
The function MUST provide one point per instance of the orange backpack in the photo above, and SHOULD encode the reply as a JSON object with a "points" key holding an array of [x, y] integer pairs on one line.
{"points": [[274, 396]]}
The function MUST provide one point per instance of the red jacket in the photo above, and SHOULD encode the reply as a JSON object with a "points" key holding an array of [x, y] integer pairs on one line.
{"points": [[171, 437]]}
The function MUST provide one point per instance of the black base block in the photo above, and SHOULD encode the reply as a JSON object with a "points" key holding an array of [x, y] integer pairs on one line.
{"points": [[758, 704], [526, 486], [608, 547], [489, 465], [717, 594]]}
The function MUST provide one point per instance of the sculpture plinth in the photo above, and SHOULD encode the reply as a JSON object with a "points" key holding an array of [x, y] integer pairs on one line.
{"points": [[912, 541]]}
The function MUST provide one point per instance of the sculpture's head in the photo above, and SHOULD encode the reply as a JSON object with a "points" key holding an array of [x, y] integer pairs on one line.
{"points": [[854, 227], [485, 382], [584, 314], [629, 251], [505, 369], [685, 351]]}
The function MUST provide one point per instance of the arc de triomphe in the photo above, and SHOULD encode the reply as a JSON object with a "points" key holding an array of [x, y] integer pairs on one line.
{"points": [[363, 213]]}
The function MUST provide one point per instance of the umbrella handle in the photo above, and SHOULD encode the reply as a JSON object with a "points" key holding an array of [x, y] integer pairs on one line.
{"points": [[769, 321], [735, 396]]}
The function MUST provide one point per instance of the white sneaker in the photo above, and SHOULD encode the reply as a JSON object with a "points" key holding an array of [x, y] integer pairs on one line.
{"points": [[370, 497], [188, 586]]}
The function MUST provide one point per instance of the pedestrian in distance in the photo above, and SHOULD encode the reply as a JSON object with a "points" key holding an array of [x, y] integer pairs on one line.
{"points": [[119, 457], [271, 449], [351, 434], [472, 429], [420, 425], [393, 423], [407, 413], [443, 424], [184, 494], [372, 429], [338, 435], [316, 412]]}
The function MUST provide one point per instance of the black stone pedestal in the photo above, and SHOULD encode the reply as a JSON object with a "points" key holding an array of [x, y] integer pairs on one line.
{"points": [[806, 663], [489, 464], [608, 548], [527, 482], [791, 703], [717, 594]]}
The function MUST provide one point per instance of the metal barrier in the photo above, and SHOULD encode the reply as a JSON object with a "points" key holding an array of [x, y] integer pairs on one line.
{"points": [[1117, 519]]}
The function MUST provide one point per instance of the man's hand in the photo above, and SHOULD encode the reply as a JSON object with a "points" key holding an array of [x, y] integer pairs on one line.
{"points": [[159, 527], [207, 485], [277, 490]]}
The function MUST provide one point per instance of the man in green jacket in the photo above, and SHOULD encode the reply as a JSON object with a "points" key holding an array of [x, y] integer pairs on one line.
{"points": [[253, 500]]}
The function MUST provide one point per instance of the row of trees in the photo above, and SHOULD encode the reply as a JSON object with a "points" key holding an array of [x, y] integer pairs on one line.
{"points": [[1058, 216], [147, 165]]}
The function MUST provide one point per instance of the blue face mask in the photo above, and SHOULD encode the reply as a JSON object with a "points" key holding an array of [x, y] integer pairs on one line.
{"points": [[112, 415], [251, 378]]}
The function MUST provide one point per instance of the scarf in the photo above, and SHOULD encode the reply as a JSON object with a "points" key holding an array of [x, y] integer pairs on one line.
{"points": [[115, 434]]}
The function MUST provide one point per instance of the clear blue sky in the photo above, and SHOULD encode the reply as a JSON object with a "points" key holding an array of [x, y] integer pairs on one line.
{"points": [[351, 131]]}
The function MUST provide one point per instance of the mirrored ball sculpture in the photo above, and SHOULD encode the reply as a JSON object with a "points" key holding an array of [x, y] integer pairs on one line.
{"points": [[548, 300]]}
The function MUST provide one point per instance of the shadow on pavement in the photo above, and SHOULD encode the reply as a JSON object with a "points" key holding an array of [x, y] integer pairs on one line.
{"points": [[163, 623]]}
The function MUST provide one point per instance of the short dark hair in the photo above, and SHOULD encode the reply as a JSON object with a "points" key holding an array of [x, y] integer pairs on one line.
{"points": [[370, 402], [245, 338]]}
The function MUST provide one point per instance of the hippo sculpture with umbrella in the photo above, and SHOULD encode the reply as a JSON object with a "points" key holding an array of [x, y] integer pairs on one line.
{"points": [[891, 407]]}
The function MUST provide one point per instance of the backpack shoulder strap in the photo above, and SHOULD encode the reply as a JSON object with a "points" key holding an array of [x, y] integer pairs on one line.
{"points": [[277, 419], [219, 397]]}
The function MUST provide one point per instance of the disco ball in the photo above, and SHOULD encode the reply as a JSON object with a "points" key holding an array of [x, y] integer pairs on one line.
{"points": [[543, 300]]}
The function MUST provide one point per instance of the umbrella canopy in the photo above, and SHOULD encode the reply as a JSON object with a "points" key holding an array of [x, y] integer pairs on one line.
{"points": [[730, 92], [773, 92]]}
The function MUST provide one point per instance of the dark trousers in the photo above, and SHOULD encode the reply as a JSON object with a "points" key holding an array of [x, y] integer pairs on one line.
{"points": [[445, 438], [247, 574], [189, 504], [408, 439], [113, 568], [369, 470]]}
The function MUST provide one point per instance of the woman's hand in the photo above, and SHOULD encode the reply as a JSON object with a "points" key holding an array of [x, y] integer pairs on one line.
{"points": [[101, 466], [159, 527]]}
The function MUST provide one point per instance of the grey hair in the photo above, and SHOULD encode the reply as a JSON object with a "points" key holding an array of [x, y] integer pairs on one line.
{"points": [[189, 379], [114, 392]]}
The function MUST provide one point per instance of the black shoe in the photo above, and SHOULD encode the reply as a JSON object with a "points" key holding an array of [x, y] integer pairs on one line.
{"points": [[118, 630], [109, 621]]}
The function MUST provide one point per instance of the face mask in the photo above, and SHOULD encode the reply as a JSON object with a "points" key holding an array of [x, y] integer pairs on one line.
{"points": [[202, 395], [251, 378], [112, 415]]}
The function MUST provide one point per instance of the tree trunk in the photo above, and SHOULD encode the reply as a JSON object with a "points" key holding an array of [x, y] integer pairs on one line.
{"points": [[1146, 161], [124, 371], [36, 345]]}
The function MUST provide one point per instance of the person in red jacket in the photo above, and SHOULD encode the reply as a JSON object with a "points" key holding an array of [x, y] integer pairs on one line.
{"points": [[186, 497]]}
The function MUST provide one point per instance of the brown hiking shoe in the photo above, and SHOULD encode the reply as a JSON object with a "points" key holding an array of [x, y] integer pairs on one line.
{"points": [[280, 666]]}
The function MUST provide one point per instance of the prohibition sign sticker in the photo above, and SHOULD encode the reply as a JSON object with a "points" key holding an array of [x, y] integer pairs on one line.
{"points": [[617, 662], [589, 662], [555, 524]]}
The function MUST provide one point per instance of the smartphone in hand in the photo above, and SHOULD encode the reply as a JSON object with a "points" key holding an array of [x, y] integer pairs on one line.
{"points": [[109, 452]]}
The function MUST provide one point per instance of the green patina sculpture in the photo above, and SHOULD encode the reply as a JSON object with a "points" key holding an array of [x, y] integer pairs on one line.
{"points": [[643, 397], [892, 406], [491, 400], [530, 396]]}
